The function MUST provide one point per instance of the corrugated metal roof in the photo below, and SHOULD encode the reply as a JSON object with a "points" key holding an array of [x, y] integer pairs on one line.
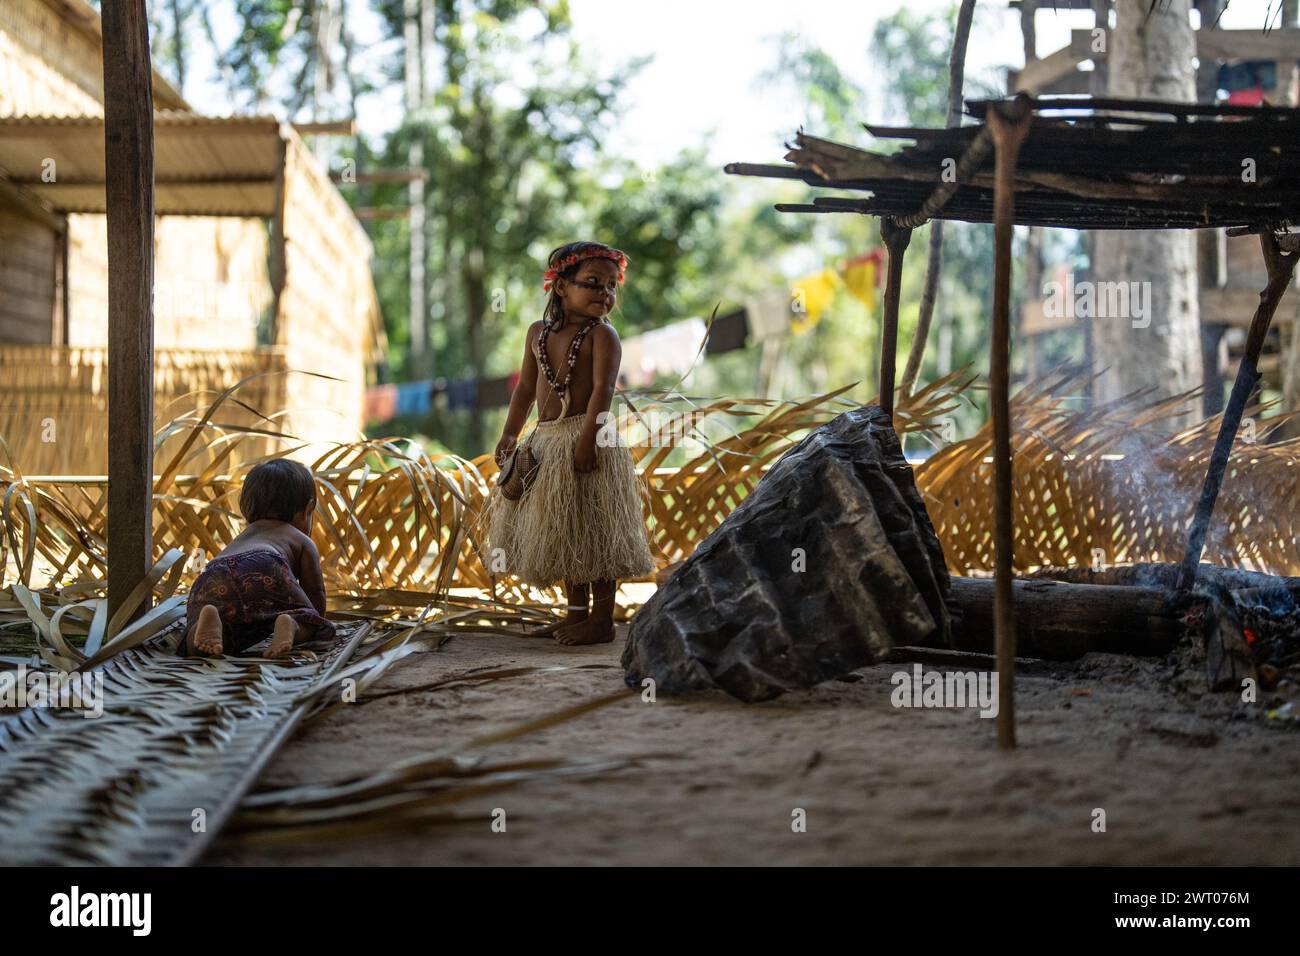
{"points": [[221, 166]]}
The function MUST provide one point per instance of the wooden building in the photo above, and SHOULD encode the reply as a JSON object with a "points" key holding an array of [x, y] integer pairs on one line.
{"points": [[1230, 272], [260, 263]]}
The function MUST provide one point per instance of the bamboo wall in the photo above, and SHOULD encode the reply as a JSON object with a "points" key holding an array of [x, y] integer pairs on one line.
{"points": [[328, 320], [54, 401], [48, 67], [211, 281], [29, 262]]}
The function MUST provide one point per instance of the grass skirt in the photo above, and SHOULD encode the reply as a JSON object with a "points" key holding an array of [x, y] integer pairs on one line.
{"points": [[570, 526]]}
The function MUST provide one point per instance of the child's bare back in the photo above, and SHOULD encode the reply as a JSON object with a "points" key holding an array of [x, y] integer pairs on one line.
{"points": [[298, 549], [267, 582]]}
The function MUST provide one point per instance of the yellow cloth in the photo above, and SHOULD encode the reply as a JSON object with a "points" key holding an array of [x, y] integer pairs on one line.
{"points": [[812, 294], [860, 277]]}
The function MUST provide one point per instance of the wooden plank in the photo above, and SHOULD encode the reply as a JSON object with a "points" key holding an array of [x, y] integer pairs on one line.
{"points": [[1279, 44], [1041, 73], [1237, 306], [382, 212], [381, 176], [129, 166], [1009, 124], [1034, 320], [347, 127]]}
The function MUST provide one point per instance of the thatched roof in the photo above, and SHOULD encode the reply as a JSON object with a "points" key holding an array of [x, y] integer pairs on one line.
{"points": [[1085, 164]]}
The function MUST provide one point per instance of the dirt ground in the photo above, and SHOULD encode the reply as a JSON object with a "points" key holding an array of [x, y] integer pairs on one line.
{"points": [[1182, 780]]}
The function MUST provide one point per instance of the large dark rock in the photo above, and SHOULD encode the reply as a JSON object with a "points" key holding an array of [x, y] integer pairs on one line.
{"points": [[743, 613]]}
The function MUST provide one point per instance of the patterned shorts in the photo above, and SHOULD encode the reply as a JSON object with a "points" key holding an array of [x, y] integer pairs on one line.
{"points": [[250, 590]]}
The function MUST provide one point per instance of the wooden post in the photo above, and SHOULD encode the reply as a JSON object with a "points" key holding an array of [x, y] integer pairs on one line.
{"points": [[279, 249], [129, 204], [1281, 266], [896, 239], [1009, 124]]}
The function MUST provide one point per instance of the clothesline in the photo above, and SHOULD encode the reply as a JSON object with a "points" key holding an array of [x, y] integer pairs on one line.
{"points": [[384, 402]]}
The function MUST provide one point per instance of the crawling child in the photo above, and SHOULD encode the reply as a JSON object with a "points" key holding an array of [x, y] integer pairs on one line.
{"points": [[268, 581]]}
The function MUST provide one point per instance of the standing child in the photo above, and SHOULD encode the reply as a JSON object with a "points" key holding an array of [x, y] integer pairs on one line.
{"points": [[268, 581], [581, 520]]}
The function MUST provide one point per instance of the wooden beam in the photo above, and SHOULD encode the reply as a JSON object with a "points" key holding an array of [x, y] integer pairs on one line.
{"points": [[254, 179], [1237, 306], [1041, 73], [1278, 44], [1008, 124], [32, 205], [129, 166], [896, 240], [382, 176], [1061, 622], [346, 127], [382, 212]]}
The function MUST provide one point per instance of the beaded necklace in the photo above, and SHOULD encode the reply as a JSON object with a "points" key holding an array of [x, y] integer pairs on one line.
{"points": [[562, 388]]}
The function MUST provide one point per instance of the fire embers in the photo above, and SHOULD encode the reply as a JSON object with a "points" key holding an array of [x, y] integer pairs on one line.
{"points": [[1252, 645]]}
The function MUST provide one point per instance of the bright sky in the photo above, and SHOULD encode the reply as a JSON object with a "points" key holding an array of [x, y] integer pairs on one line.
{"points": [[702, 84]]}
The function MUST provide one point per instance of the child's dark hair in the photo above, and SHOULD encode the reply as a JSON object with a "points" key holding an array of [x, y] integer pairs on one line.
{"points": [[554, 314], [276, 489]]}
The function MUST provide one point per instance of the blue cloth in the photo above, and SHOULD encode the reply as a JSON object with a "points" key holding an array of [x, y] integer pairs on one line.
{"points": [[414, 398], [462, 393]]}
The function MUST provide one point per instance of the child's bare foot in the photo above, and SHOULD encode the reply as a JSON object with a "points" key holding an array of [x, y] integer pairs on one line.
{"points": [[592, 630], [206, 638], [571, 616], [282, 638]]}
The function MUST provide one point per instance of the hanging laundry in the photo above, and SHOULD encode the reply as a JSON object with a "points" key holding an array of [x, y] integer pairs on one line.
{"points": [[494, 392], [769, 314], [672, 349], [668, 350], [862, 277], [381, 403], [631, 372], [728, 333], [462, 393], [810, 296], [414, 398]]}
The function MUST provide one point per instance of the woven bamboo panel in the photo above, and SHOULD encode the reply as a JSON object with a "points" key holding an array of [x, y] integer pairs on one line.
{"points": [[414, 524], [1110, 486], [54, 401], [1107, 479], [329, 320]]}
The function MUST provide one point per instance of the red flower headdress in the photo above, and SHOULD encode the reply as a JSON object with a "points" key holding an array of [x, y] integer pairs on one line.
{"points": [[553, 273]]}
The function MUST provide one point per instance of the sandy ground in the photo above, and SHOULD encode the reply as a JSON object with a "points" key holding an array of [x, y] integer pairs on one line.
{"points": [[1181, 779]]}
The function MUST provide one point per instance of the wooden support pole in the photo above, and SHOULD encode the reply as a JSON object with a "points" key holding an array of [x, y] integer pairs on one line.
{"points": [[1008, 125], [129, 205], [896, 240], [1281, 266], [279, 243]]}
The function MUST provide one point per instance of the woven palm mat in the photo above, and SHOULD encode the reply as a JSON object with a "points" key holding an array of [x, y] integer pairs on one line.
{"points": [[152, 780]]}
